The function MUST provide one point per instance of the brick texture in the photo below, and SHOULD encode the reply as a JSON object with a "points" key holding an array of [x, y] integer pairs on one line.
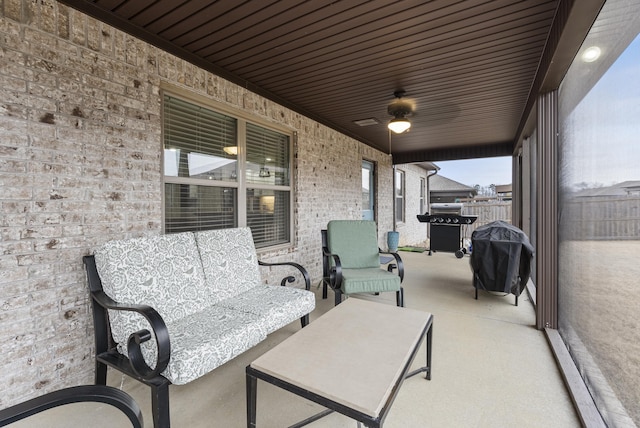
{"points": [[80, 151]]}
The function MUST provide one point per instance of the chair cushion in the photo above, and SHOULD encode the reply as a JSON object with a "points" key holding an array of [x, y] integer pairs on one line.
{"points": [[161, 271], [205, 340], [276, 306], [369, 280], [355, 241], [229, 262]]}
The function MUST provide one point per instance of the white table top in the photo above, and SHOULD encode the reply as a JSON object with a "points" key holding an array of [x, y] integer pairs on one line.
{"points": [[354, 354]]}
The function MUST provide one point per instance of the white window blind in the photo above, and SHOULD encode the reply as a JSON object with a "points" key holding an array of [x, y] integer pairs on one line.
{"points": [[192, 208], [203, 177], [195, 139], [267, 176], [267, 156]]}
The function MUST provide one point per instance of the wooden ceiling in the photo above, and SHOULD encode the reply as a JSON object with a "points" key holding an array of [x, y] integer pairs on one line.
{"points": [[469, 67]]}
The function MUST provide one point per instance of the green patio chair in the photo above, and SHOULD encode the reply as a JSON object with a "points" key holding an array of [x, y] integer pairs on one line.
{"points": [[351, 261]]}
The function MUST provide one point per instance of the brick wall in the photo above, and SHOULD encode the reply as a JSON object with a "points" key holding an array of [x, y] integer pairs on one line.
{"points": [[80, 154]]}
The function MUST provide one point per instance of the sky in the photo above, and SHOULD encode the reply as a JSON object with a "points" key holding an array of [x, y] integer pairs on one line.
{"points": [[484, 171], [602, 131]]}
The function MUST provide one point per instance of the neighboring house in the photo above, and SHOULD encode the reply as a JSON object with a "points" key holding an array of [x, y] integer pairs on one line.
{"points": [[445, 190], [503, 192], [626, 188], [411, 197]]}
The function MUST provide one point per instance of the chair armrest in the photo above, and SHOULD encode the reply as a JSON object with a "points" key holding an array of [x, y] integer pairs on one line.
{"points": [[160, 331], [291, 278], [76, 394], [398, 264], [334, 273]]}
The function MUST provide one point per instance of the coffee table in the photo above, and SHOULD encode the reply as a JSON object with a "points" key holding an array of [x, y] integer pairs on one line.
{"points": [[351, 360]]}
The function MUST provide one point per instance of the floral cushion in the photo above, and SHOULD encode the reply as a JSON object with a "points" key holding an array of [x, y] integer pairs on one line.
{"points": [[276, 306], [229, 261], [205, 340], [162, 271], [207, 288]]}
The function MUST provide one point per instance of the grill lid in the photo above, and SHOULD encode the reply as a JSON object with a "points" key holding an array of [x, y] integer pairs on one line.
{"points": [[441, 208]]}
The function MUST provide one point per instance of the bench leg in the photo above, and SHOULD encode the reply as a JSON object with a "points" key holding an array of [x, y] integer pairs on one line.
{"points": [[160, 405], [252, 388]]}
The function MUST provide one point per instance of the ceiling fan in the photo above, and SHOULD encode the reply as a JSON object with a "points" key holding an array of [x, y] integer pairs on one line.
{"points": [[400, 109]]}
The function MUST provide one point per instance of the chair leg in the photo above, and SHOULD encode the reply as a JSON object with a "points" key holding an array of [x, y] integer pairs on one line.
{"points": [[400, 297], [338, 295], [324, 288], [160, 405]]}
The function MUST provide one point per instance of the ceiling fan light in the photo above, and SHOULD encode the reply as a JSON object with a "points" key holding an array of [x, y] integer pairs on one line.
{"points": [[399, 125], [231, 150]]}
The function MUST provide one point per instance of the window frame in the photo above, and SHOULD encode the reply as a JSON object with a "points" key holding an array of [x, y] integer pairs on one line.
{"points": [[398, 173], [423, 195], [370, 166], [241, 184]]}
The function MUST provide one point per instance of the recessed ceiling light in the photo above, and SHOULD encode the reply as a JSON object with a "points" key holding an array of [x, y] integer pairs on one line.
{"points": [[591, 54]]}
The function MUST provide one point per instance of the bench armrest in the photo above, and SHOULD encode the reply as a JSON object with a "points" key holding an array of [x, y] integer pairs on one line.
{"points": [[291, 278], [158, 326]]}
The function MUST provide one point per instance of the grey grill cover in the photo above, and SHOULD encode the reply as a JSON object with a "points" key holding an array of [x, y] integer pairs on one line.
{"points": [[500, 258]]}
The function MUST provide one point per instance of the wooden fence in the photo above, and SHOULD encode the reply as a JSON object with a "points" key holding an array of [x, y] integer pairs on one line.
{"points": [[600, 218], [486, 212], [594, 218]]}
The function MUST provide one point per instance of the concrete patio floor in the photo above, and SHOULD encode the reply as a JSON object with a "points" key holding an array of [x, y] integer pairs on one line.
{"points": [[491, 368]]}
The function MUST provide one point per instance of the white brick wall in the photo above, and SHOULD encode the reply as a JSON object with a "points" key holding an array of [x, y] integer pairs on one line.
{"points": [[80, 157]]}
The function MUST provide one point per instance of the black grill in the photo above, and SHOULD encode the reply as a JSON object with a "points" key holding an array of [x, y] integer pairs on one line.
{"points": [[447, 228]]}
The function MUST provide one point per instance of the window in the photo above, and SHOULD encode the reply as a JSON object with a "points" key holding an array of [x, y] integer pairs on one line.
{"points": [[399, 192], [423, 201], [368, 190], [222, 171]]}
